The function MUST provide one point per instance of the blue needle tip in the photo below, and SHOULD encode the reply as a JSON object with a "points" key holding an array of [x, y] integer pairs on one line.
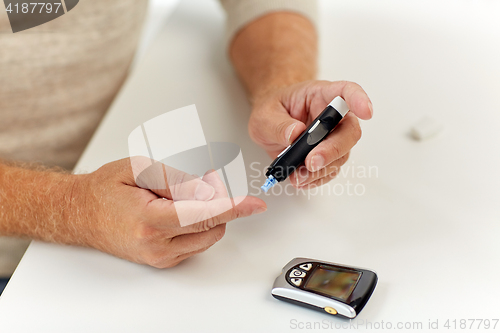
{"points": [[270, 182]]}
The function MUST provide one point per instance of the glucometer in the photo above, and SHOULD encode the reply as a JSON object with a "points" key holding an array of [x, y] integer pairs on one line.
{"points": [[295, 154], [324, 286]]}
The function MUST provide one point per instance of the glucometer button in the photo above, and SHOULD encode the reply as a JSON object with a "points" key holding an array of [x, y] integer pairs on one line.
{"points": [[306, 267], [297, 274], [330, 310], [296, 281]]}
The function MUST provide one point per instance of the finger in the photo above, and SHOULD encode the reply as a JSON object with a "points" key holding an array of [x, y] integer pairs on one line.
{"points": [[169, 263], [182, 247], [208, 214], [192, 242], [337, 144], [200, 240], [302, 176], [188, 216], [168, 182], [275, 126], [356, 98], [212, 178], [183, 186]]}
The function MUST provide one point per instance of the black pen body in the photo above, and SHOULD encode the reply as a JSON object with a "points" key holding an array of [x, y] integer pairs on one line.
{"points": [[295, 154]]}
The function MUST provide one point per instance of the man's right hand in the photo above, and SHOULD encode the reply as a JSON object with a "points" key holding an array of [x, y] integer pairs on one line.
{"points": [[143, 225], [150, 223]]}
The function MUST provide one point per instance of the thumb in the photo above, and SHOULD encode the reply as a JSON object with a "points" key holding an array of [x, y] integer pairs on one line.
{"points": [[279, 128], [168, 182]]}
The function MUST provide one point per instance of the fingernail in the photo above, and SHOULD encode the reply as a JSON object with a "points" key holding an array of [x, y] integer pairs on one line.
{"points": [[204, 192], [259, 210], [370, 106], [302, 177], [317, 162], [289, 131]]}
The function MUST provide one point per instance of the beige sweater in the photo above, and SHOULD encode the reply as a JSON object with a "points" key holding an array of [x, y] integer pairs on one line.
{"points": [[57, 80]]}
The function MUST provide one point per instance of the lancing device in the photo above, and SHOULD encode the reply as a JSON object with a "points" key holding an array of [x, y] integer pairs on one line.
{"points": [[295, 154]]}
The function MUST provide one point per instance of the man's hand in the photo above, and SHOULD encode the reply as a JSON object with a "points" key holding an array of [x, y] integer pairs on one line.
{"points": [[276, 58], [171, 217], [159, 226], [278, 118]]}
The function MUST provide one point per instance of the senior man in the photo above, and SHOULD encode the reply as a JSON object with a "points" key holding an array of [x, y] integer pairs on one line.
{"points": [[58, 80]]}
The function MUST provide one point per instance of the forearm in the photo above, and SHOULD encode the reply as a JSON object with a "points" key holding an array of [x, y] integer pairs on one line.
{"points": [[274, 51], [36, 204]]}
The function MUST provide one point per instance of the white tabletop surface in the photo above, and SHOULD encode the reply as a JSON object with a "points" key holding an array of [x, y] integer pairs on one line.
{"points": [[428, 221]]}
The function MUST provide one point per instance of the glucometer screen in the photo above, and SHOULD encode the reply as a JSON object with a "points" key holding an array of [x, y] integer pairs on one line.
{"points": [[333, 281]]}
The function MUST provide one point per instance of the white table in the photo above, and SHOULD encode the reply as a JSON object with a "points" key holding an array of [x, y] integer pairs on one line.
{"points": [[427, 222]]}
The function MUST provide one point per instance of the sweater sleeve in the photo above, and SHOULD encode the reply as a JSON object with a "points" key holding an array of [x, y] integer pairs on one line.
{"points": [[242, 12]]}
